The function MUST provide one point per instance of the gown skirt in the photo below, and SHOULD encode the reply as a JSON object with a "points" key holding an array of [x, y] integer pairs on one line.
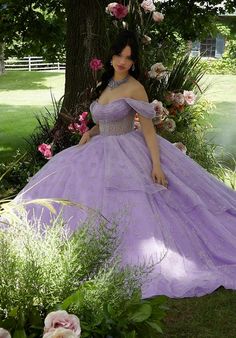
{"points": [[189, 228]]}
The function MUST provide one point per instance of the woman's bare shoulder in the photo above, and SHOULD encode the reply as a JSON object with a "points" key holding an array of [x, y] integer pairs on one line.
{"points": [[137, 90]]}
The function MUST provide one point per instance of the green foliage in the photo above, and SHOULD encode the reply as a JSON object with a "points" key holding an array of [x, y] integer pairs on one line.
{"points": [[46, 267], [39, 27], [33, 27], [15, 175], [225, 65]]}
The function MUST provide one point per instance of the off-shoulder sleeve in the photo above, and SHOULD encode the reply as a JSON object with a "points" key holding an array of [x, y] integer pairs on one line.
{"points": [[91, 107], [142, 107]]}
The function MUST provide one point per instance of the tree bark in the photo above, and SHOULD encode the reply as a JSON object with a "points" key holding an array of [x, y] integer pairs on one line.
{"points": [[85, 39], [2, 63]]}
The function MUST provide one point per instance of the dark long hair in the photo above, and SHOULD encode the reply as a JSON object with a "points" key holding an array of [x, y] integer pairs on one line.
{"points": [[124, 38]]}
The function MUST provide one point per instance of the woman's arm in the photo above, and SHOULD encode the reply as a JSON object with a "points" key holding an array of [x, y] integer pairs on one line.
{"points": [[151, 139], [94, 130], [88, 134]]}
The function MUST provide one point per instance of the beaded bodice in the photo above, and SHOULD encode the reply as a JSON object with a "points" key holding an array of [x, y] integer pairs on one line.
{"points": [[117, 117]]}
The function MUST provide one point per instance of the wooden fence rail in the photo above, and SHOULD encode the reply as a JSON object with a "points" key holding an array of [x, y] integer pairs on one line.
{"points": [[32, 63]]}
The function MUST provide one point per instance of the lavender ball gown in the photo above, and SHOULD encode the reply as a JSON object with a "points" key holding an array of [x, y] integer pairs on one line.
{"points": [[189, 227]]}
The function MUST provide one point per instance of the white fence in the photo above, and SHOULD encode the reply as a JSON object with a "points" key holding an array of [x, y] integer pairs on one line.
{"points": [[32, 63]]}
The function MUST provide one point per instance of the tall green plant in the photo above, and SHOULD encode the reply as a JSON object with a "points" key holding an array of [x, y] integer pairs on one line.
{"points": [[45, 267]]}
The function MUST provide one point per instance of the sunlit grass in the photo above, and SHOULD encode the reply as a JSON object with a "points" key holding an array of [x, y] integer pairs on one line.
{"points": [[22, 95]]}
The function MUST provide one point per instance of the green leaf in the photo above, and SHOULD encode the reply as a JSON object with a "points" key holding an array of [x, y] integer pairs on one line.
{"points": [[19, 334], [131, 334], [13, 312], [75, 298], [143, 313], [155, 326]]}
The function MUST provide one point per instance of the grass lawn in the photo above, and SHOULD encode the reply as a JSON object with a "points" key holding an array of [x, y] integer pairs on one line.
{"points": [[22, 94], [223, 119]]}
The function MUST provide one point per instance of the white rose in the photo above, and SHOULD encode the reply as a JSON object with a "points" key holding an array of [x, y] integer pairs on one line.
{"points": [[158, 71], [4, 333], [189, 97], [61, 333], [169, 125], [157, 16], [148, 6]]}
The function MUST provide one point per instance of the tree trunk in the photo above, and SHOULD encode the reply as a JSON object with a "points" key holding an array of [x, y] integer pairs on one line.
{"points": [[2, 63], [85, 39]]}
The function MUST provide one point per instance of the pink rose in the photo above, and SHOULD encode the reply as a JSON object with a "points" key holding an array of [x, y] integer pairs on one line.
{"points": [[47, 154], [148, 6], [43, 147], [179, 98], [4, 333], [189, 97], [83, 128], [46, 150], [61, 333], [95, 64], [157, 16], [73, 127], [181, 147], [158, 71], [62, 319], [119, 11], [169, 125], [83, 116]]}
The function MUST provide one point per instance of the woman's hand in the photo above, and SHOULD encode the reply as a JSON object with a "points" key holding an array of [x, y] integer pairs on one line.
{"points": [[158, 175], [85, 138]]}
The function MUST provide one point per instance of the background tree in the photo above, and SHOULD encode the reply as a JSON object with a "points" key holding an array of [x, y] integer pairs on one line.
{"points": [[49, 28]]}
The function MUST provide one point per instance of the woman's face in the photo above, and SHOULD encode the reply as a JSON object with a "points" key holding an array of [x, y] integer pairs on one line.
{"points": [[122, 62]]}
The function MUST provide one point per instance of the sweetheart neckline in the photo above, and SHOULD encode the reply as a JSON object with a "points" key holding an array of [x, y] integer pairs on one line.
{"points": [[119, 99], [122, 98]]}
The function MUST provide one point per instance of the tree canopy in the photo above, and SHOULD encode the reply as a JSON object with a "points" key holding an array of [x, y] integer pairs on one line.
{"points": [[39, 27]]}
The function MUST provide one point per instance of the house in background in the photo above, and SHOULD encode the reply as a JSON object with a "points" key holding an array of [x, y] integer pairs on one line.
{"points": [[213, 47]]}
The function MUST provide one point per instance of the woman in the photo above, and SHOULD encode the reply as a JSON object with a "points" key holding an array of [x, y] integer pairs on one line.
{"points": [[168, 208]]}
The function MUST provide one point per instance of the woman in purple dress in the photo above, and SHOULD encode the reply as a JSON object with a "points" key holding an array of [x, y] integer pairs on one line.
{"points": [[167, 207]]}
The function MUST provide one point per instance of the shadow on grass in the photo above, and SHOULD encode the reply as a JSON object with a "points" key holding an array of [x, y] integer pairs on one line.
{"points": [[17, 123], [203, 317], [22, 80], [226, 108]]}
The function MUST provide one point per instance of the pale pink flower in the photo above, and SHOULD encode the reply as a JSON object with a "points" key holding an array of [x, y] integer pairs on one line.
{"points": [[110, 7], [146, 40], [148, 6], [137, 125], [189, 97], [181, 147], [62, 319], [4, 333], [157, 16], [165, 111], [179, 98], [169, 125], [61, 333], [119, 11], [170, 96], [46, 150], [158, 106], [95, 64], [158, 71]]}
